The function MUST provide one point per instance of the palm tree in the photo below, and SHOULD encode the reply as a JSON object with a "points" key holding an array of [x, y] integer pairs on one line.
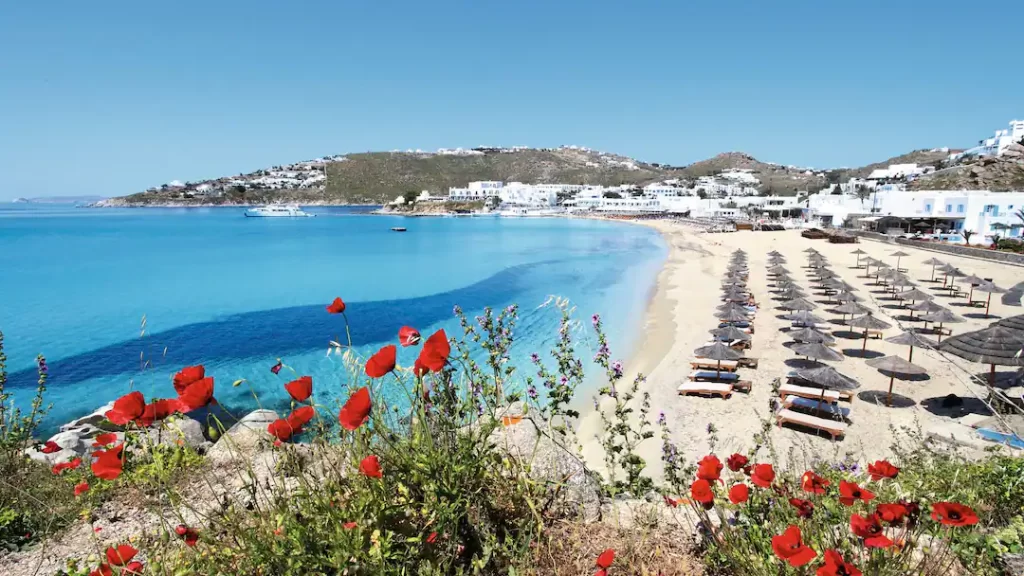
{"points": [[967, 235], [1020, 214]]}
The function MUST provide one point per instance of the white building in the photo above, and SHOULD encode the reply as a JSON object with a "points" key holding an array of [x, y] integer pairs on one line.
{"points": [[659, 189], [983, 212], [996, 145], [476, 191], [900, 172]]}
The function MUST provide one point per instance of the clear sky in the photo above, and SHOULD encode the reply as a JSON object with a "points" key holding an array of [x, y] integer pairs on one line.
{"points": [[111, 97]]}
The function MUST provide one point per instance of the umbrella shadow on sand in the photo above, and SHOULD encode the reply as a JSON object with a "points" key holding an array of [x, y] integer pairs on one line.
{"points": [[955, 406], [982, 316], [1004, 378], [880, 397], [801, 363], [865, 354], [848, 334]]}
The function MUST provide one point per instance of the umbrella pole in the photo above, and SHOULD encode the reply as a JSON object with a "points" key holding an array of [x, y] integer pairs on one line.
{"points": [[718, 376], [911, 357], [988, 302], [864, 348], [992, 376], [933, 272], [970, 295], [939, 330], [888, 400]]}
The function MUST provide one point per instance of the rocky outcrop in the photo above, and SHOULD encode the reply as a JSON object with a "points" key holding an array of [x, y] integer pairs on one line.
{"points": [[998, 173]]}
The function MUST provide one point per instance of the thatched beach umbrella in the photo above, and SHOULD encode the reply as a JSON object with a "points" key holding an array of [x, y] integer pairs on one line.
{"points": [[868, 262], [730, 316], [894, 366], [1013, 323], [951, 273], [934, 262], [811, 251], [730, 333], [810, 335], [1014, 296], [792, 292], [915, 295], [719, 352], [924, 307], [996, 345], [990, 289], [732, 307], [899, 254], [828, 378], [858, 252], [911, 338], [817, 351], [940, 317], [868, 322], [973, 281], [847, 296], [851, 308], [798, 304], [778, 269], [805, 317]]}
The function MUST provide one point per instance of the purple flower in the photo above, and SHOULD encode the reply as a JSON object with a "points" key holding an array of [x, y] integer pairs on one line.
{"points": [[661, 418], [534, 358], [595, 320], [564, 380], [456, 310], [531, 391], [617, 369]]}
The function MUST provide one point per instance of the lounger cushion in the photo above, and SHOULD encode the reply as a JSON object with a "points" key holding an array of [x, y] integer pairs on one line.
{"points": [[714, 375], [830, 426], [705, 388], [816, 405]]}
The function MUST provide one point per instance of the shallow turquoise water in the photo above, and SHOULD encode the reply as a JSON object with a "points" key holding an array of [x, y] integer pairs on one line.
{"points": [[236, 294]]}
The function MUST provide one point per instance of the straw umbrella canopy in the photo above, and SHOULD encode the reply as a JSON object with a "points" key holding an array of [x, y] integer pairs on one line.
{"points": [[811, 251], [989, 288], [996, 345], [924, 307], [730, 316], [729, 307], [719, 352], [868, 262], [798, 304], [778, 269], [805, 317], [868, 322], [894, 366], [858, 252], [1014, 295], [951, 274], [792, 292], [899, 254], [852, 308], [1013, 323], [810, 335], [911, 338], [817, 351], [940, 317], [934, 262], [846, 296], [827, 378], [730, 333], [915, 294]]}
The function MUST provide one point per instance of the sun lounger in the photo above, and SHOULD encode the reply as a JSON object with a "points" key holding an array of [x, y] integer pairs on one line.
{"points": [[734, 344], [876, 334], [747, 362], [740, 325], [803, 384], [835, 429], [830, 410], [714, 375], [705, 364], [709, 388], [807, 392]]}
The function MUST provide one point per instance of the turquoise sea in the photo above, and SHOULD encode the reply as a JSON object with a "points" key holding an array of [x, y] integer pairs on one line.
{"points": [[236, 294]]}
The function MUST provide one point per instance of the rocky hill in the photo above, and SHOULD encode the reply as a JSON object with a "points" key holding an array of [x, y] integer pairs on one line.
{"points": [[933, 157], [775, 178], [999, 174]]}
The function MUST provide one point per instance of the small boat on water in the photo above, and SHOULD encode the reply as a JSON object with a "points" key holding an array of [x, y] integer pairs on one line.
{"points": [[398, 229], [277, 211]]}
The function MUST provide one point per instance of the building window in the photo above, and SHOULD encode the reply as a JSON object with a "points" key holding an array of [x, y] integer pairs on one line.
{"points": [[960, 208], [927, 207], [949, 207]]}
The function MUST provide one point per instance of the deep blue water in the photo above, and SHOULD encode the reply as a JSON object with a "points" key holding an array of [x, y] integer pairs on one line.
{"points": [[236, 294]]}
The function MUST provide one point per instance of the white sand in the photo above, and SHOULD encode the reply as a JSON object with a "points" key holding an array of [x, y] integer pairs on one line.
{"points": [[680, 316]]}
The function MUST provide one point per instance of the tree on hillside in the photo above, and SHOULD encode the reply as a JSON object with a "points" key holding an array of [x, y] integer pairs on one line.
{"points": [[837, 191], [701, 193], [612, 195], [967, 236], [862, 192], [410, 197]]}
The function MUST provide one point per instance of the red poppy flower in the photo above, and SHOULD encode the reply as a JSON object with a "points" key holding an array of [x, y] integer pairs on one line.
{"points": [[102, 570], [870, 529], [109, 463], [850, 493], [187, 377], [81, 488], [356, 411], [70, 465], [882, 469], [700, 491], [604, 561], [301, 416], [159, 410], [50, 447], [709, 468], [408, 336], [953, 514], [736, 462], [836, 565], [349, 525], [382, 362], [189, 535], [891, 513], [804, 508], [281, 429], [762, 475], [739, 493], [436, 349], [276, 367], [813, 483], [790, 548], [420, 369], [336, 307], [120, 555], [133, 568], [127, 408], [104, 440], [913, 509], [370, 466], [197, 395], [671, 502], [432, 538], [300, 389]]}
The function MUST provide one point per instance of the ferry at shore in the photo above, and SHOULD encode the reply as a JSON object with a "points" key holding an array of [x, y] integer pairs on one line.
{"points": [[277, 211]]}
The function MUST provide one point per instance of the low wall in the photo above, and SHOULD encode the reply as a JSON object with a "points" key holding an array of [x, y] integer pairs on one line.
{"points": [[968, 251]]}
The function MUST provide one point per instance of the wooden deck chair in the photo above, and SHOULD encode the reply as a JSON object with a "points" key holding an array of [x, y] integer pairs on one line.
{"points": [[815, 407], [708, 388], [706, 364], [786, 390], [785, 416]]}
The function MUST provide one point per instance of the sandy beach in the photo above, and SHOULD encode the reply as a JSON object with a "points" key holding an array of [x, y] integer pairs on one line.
{"points": [[681, 313]]}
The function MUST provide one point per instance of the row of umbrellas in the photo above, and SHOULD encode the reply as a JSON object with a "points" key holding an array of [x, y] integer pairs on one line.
{"points": [[733, 311]]}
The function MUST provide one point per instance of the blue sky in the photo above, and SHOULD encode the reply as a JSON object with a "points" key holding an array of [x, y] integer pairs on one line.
{"points": [[111, 97]]}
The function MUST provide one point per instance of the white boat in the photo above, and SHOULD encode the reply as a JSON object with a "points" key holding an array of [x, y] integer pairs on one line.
{"points": [[277, 211]]}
